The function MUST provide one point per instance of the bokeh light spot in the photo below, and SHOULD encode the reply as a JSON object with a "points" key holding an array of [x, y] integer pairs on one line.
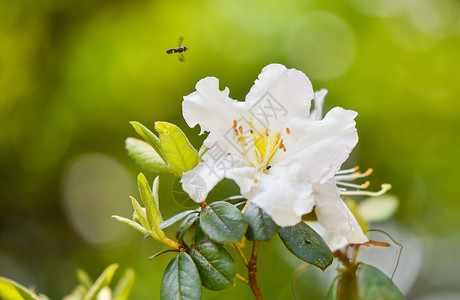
{"points": [[94, 188], [321, 44]]}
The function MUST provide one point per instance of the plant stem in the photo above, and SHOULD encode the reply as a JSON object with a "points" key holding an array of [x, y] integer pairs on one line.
{"points": [[241, 253], [252, 268], [242, 278]]}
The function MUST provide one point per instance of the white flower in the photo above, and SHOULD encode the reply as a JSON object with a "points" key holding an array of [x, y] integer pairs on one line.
{"points": [[282, 157]]}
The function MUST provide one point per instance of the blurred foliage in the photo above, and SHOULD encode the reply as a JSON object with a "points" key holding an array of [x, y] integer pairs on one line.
{"points": [[74, 73]]}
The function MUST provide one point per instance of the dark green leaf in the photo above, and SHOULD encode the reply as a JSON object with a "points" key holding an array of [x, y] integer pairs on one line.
{"points": [[223, 222], [215, 265], [185, 226], [181, 280], [176, 218], [260, 225], [307, 245], [373, 284]]}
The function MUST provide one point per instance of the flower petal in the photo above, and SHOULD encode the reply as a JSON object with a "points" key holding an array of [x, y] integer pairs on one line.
{"points": [[333, 214], [214, 167], [213, 110], [320, 147], [280, 94], [280, 194], [333, 239], [319, 102]]}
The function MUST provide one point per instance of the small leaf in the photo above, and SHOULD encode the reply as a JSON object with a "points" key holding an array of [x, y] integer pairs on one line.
{"points": [[145, 155], [175, 218], [215, 265], [185, 225], [181, 280], [153, 215], [307, 245], [374, 284], [77, 293], [223, 222], [124, 286], [150, 138], [180, 154], [332, 293], [260, 225], [11, 290], [131, 223], [84, 279], [140, 213], [104, 280], [155, 189]]}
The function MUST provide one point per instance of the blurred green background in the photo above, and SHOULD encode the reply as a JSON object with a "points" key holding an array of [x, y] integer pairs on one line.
{"points": [[74, 73]]}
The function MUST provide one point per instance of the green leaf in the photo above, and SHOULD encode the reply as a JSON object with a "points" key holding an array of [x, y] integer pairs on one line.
{"points": [[145, 155], [131, 223], [181, 280], [84, 279], [153, 214], [223, 222], [185, 225], [307, 245], [78, 293], [332, 293], [124, 286], [104, 280], [155, 189], [176, 218], [260, 225], [180, 154], [140, 213], [150, 138], [215, 265], [11, 290], [373, 284]]}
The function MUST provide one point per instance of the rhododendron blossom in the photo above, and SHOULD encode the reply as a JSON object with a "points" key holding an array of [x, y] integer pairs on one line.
{"points": [[281, 153]]}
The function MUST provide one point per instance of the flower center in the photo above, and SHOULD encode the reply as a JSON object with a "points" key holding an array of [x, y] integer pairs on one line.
{"points": [[259, 146]]}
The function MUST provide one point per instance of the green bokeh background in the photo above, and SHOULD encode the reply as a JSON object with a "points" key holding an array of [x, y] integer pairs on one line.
{"points": [[74, 73]]}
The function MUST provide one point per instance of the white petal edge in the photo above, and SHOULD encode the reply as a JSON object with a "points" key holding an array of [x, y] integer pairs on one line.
{"points": [[213, 110], [320, 147], [289, 88], [333, 214]]}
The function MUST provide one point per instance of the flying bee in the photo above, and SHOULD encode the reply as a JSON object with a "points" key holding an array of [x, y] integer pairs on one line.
{"points": [[179, 49]]}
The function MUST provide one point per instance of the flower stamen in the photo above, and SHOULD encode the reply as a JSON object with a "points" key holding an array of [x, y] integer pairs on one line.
{"points": [[235, 126], [282, 145], [352, 174], [384, 188]]}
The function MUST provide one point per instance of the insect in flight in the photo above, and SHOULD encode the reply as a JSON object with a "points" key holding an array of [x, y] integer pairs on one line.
{"points": [[179, 49]]}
